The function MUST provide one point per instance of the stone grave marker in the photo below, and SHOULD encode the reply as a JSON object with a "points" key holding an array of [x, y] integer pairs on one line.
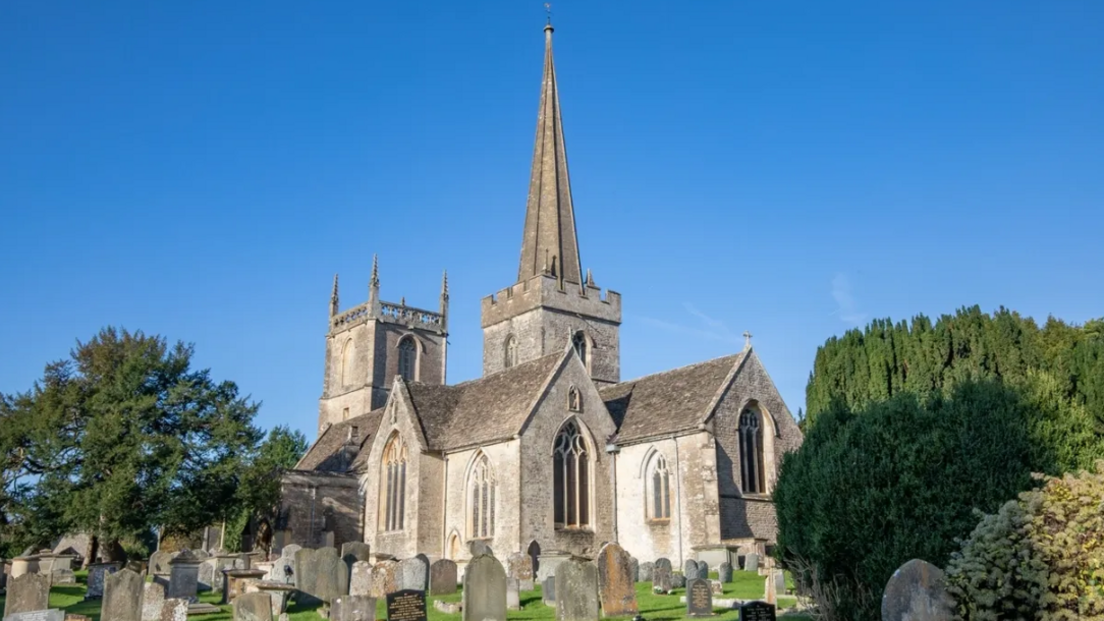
{"points": [[353, 608], [548, 591], [442, 577], [513, 598], [306, 572], [661, 576], [757, 611], [406, 605], [360, 579], [703, 570], [153, 599], [184, 577], [159, 563], [63, 576], [699, 598], [780, 581], [724, 572], [634, 569], [484, 590], [27, 593], [253, 607], [690, 569], [386, 578], [283, 570], [519, 566], [332, 580], [479, 548], [51, 614], [122, 600], [646, 569], [751, 562], [917, 592], [351, 552], [237, 582], [174, 610], [206, 578], [678, 581], [616, 587], [96, 575], [414, 573], [576, 591], [290, 550], [278, 592], [717, 586]]}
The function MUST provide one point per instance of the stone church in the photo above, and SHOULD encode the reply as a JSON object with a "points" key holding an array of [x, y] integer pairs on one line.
{"points": [[550, 451]]}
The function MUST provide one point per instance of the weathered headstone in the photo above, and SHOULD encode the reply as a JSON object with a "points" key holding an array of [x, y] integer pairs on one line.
{"points": [[576, 591], [360, 579], [917, 592], [153, 600], [122, 599], [661, 576], [678, 581], [751, 562], [690, 569], [513, 598], [278, 592], [442, 577], [634, 569], [386, 578], [699, 598], [52, 614], [724, 572], [353, 608], [159, 563], [290, 550], [27, 593], [780, 581], [332, 580], [184, 577], [354, 551], [306, 571], [415, 573], [717, 586], [238, 582], [479, 548], [646, 569], [548, 591], [484, 590], [253, 607], [757, 611], [616, 586], [283, 570], [406, 605], [703, 571], [519, 566], [206, 578], [96, 575], [174, 610]]}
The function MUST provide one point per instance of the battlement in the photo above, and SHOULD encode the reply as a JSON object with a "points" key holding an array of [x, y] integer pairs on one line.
{"points": [[390, 312], [544, 291]]}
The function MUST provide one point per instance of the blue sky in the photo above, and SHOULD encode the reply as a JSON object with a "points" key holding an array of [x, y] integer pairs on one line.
{"points": [[200, 170]]}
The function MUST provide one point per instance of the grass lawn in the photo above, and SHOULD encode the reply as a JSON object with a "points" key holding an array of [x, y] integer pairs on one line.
{"points": [[744, 585]]}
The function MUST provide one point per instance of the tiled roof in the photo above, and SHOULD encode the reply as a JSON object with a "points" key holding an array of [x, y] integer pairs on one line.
{"points": [[336, 450], [666, 402]]}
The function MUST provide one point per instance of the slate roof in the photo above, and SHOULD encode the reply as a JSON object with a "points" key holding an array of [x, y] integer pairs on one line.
{"points": [[667, 402], [333, 452], [480, 410]]}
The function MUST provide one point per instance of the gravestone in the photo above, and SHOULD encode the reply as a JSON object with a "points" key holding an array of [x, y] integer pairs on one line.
{"points": [[916, 592], [479, 548], [122, 599], [548, 591], [290, 550], [278, 592], [699, 598], [646, 569], [206, 579], [616, 587], [484, 590], [661, 576], [352, 552], [757, 611], [724, 572], [634, 569], [97, 573], [780, 581], [519, 566], [406, 605], [174, 610], [353, 608], [184, 577], [442, 577], [253, 607], [283, 570], [52, 614], [513, 598], [360, 579], [237, 582], [27, 593], [386, 577], [306, 573], [414, 573], [690, 569], [332, 580], [717, 586], [678, 581], [159, 563], [576, 591], [751, 562], [153, 599], [703, 571]]}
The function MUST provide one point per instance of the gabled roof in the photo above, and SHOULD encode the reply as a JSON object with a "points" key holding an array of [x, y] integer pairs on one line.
{"points": [[334, 451], [668, 402], [482, 410]]}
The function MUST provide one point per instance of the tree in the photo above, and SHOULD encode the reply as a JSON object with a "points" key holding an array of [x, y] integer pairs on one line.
{"points": [[259, 491]]}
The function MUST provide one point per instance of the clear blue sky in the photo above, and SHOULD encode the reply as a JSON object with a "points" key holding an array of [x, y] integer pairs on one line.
{"points": [[201, 169]]}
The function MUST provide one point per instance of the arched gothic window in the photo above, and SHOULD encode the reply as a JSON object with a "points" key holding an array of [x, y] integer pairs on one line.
{"points": [[579, 342], [481, 499], [658, 492], [408, 358], [571, 478], [393, 502], [511, 351], [347, 351], [752, 475]]}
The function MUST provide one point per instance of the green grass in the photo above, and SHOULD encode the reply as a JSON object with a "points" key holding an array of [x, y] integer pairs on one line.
{"points": [[744, 585]]}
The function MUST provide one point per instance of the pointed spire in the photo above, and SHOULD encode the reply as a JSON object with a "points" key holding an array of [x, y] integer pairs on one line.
{"points": [[373, 283], [549, 215], [333, 298], [444, 294]]}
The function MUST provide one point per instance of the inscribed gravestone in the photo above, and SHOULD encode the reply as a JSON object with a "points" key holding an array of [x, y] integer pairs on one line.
{"points": [[442, 577], [513, 598], [122, 599], [484, 590], [153, 599], [385, 578], [353, 608], [184, 577], [616, 587], [360, 579], [27, 593], [661, 576], [354, 551], [724, 572], [52, 614], [253, 607], [306, 572], [646, 569], [519, 566], [576, 591], [751, 562], [332, 579], [690, 569], [699, 598], [406, 605], [780, 582], [757, 611], [174, 610], [414, 573], [96, 575], [548, 591], [916, 592]]}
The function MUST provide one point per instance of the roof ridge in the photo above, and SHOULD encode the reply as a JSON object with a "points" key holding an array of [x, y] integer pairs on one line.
{"points": [[522, 365], [682, 368]]}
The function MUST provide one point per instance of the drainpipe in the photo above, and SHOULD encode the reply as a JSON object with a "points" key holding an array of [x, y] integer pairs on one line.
{"points": [[678, 497], [612, 449], [444, 510]]}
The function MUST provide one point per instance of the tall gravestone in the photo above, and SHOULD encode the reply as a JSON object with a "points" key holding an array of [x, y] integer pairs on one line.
{"points": [[360, 579], [699, 598], [442, 577], [352, 552], [917, 592], [415, 573], [661, 576], [353, 608], [27, 593], [207, 570], [306, 573], [519, 566], [751, 562], [253, 607], [724, 572], [122, 599], [386, 578], [332, 580], [634, 569], [184, 577], [97, 573], [690, 569], [576, 591], [153, 600], [646, 569], [513, 597], [484, 590], [616, 586], [548, 591]]}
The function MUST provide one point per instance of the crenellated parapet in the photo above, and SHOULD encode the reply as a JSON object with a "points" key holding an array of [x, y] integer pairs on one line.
{"points": [[546, 291], [392, 313]]}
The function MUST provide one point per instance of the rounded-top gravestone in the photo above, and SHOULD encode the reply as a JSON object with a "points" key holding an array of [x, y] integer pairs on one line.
{"points": [[484, 594], [616, 586], [917, 592], [576, 591], [122, 599]]}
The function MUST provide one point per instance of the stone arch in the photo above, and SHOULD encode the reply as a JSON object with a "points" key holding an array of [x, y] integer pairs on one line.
{"points": [[534, 551], [574, 461], [393, 470], [480, 497], [348, 353], [409, 355], [455, 546], [756, 434]]}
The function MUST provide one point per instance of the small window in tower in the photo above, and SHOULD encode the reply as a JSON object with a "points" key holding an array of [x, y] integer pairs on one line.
{"points": [[408, 358], [511, 351], [345, 414], [579, 342]]}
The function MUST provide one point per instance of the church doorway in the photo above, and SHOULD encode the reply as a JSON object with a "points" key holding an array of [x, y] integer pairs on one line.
{"points": [[534, 555]]}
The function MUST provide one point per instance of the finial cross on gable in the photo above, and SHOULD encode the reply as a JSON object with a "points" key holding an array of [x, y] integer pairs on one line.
{"points": [[548, 11], [747, 338]]}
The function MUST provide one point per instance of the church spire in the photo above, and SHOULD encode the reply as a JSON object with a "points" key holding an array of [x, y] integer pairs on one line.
{"points": [[549, 237], [333, 299]]}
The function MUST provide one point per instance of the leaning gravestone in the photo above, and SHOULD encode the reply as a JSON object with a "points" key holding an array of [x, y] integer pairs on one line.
{"points": [[661, 576], [576, 591], [153, 599], [386, 578], [724, 572], [751, 562], [27, 593], [616, 587], [96, 575], [699, 598], [184, 577], [646, 569], [360, 579], [484, 590], [479, 548], [353, 608], [757, 611], [548, 591], [122, 599], [917, 592], [690, 569], [414, 573], [519, 566], [253, 607], [442, 577], [406, 605]]}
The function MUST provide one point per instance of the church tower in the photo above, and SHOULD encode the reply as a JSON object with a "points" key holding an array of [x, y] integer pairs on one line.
{"points": [[552, 302]]}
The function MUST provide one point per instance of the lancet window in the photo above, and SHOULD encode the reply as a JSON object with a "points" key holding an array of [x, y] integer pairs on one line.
{"points": [[571, 478]]}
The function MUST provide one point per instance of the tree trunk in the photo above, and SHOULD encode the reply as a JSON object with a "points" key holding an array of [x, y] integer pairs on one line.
{"points": [[93, 551]]}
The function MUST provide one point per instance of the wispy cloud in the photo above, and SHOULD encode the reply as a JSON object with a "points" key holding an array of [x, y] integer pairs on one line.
{"points": [[706, 327], [846, 307]]}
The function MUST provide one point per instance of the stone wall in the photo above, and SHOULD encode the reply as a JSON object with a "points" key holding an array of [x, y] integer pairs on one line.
{"points": [[313, 502], [506, 461]]}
